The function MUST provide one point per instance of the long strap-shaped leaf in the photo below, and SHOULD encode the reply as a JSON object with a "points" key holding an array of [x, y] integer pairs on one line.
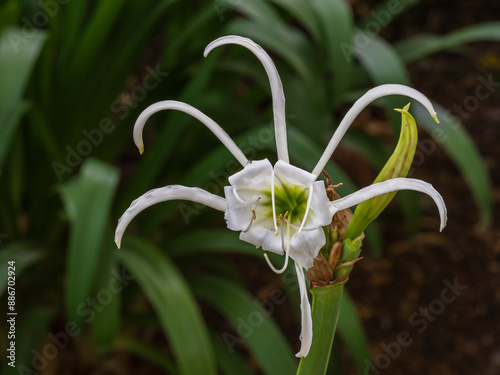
{"points": [[261, 334], [422, 46], [18, 55], [87, 202], [174, 305]]}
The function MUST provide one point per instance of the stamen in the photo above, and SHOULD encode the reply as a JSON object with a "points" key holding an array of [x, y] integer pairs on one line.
{"points": [[309, 199], [282, 220], [278, 271], [237, 196], [273, 202], [251, 222], [277, 229], [282, 234], [305, 229]]}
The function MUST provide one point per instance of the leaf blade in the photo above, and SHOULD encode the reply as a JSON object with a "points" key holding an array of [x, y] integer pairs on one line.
{"points": [[174, 304]]}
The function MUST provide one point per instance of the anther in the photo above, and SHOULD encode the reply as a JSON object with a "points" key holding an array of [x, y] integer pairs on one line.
{"points": [[309, 199], [279, 221]]}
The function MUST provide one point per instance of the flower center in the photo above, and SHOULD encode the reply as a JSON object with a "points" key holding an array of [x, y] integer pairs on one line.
{"points": [[288, 198]]}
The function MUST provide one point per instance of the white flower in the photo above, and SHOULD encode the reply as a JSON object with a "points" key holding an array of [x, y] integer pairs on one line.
{"points": [[280, 208]]}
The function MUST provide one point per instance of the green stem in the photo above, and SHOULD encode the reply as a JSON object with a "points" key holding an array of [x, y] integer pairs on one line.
{"points": [[325, 313]]}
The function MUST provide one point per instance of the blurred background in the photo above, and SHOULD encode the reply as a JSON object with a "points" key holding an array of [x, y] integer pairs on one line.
{"points": [[184, 295]]}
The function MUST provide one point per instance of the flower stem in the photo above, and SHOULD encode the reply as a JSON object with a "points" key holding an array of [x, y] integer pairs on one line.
{"points": [[325, 313]]}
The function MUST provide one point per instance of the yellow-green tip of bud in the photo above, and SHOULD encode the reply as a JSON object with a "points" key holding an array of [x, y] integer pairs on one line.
{"points": [[435, 117], [404, 110], [141, 148]]}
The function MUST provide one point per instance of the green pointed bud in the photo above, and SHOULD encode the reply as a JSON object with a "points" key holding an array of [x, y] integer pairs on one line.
{"points": [[398, 165]]}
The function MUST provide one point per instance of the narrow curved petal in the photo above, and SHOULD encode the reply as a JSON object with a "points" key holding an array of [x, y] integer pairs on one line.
{"points": [[390, 186], [163, 194], [186, 108], [274, 81], [359, 105], [306, 333]]}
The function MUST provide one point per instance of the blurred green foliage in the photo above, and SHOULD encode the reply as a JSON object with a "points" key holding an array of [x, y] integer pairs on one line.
{"points": [[75, 74]]}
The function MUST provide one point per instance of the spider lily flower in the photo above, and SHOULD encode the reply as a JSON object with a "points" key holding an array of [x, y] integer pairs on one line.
{"points": [[280, 208]]}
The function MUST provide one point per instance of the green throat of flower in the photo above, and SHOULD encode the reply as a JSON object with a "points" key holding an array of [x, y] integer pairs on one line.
{"points": [[288, 198]]}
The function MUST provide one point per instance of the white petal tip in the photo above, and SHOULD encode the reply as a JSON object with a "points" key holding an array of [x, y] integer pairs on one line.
{"points": [[118, 242], [141, 148], [435, 117], [443, 225], [301, 355]]}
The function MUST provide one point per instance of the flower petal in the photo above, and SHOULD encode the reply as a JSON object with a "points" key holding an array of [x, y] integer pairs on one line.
{"points": [[370, 96], [306, 246], [274, 81], [263, 236], [389, 186], [256, 175], [306, 333], [319, 215], [238, 214], [163, 194], [183, 107], [292, 175]]}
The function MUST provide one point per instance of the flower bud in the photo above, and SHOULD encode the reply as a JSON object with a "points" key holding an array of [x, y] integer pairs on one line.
{"points": [[398, 165]]}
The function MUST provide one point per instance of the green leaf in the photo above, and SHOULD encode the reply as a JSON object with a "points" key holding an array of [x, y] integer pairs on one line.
{"points": [[263, 337], [87, 202], [10, 13], [352, 333], [383, 13], [74, 16], [18, 55], [367, 146], [106, 324], [306, 153], [382, 63], [454, 139], [337, 26], [174, 305], [94, 37], [214, 240], [22, 254], [287, 42], [421, 46], [230, 362], [145, 351], [257, 10], [301, 11]]}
